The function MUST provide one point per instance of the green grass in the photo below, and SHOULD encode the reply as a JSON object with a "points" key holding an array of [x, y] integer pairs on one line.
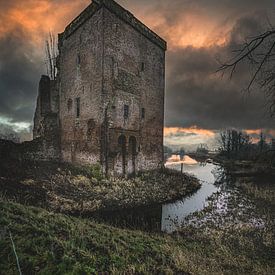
{"points": [[49, 243]]}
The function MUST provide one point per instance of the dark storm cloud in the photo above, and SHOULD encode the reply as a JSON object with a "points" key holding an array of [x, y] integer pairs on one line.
{"points": [[194, 94], [23, 28], [19, 74], [198, 96]]}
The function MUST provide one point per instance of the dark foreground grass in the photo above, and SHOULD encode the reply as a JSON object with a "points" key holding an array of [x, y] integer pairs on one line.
{"points": [[49, 243], [82, 190]]}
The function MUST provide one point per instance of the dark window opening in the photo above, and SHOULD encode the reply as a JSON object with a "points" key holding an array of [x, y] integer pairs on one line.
{"points": [[69, 104], [133, 152], [78, 107], [126, 111], [142, 66], [78, 59], [122, 147], [142, 113]]}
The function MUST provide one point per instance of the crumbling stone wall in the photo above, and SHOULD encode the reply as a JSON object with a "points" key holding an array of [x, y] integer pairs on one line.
{"points": [[46, 143], [81, 80], [43, 105], [133, 76], [47, 107], [39, 149]]}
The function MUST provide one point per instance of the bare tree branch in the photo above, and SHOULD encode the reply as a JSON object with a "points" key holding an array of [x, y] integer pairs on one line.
{"points": [[51, 56], [259, 51]]}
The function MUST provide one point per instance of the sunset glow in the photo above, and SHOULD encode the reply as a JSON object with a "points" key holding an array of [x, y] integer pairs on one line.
{"points": [[192, 130], [37, 18]]}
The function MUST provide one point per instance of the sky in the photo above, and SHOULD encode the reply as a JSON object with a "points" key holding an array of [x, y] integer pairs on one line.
{"points": [[200, 34]]}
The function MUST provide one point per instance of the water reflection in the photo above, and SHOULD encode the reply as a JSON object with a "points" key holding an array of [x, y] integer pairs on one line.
{"points": [[231, 201], [173, 214]]}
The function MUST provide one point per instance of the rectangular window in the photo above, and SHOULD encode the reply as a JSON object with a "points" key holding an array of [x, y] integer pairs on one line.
{"points": [[142, 66], [126, 111], [78, 107], [142, 113], [78, 59]]}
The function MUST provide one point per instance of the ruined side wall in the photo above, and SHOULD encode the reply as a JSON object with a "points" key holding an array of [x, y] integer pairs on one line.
{"points": [[46, 143], [39, 149], [81, 77], [47, 104], [134, 74], [43, 105]]}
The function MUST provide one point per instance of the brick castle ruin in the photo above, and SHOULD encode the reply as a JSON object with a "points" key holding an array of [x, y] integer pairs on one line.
{"points": [[106, 104]]}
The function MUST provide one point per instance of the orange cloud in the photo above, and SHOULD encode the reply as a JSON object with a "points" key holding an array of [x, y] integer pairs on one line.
{"points": [[37, 18], [193, 27], [269, 132], [192, 130], [253, 131], [198, 32]]}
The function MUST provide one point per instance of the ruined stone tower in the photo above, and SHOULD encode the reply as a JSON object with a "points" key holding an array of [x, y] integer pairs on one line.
{"points": [[110, 85]]}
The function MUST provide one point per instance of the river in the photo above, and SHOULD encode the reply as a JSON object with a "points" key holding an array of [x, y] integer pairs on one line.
{"points": [[174, 214], [222, 201]]}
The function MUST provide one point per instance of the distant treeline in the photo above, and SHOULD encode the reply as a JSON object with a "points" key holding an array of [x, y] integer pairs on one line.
{"points": [[236, 144]]}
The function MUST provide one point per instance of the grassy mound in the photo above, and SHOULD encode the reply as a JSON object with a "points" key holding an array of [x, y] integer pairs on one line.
{"points": [[48, 243], [83, 189]]}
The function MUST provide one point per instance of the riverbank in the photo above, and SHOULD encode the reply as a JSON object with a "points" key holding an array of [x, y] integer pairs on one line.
{"points": [[260, 165], [49, 243], [244, 168], [82, 190]]}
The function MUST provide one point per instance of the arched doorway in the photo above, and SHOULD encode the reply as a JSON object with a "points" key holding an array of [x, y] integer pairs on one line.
{"points": [[122, 147], [132, 153]]}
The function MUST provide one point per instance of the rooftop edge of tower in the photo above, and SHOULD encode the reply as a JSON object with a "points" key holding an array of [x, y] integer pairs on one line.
{"points": [[119, 11]]}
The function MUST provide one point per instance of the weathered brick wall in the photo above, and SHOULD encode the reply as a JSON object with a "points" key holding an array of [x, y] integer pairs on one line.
{"points": [[134, 76], [47, 105], [81, 77], [43, 105]]}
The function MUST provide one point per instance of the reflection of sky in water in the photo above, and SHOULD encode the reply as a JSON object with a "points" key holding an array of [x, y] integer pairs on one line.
{"points": [[173, 214]]}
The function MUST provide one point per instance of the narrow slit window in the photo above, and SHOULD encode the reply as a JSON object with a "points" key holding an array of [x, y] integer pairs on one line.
{"points": [[78, 107], [78, 59], [142, 66], [126, 111], [142, 113]]}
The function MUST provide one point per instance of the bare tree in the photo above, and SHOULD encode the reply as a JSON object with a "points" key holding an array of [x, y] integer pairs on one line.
{"points": [[262, 144], [233, 142], [51, 51], [259, 52]]}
